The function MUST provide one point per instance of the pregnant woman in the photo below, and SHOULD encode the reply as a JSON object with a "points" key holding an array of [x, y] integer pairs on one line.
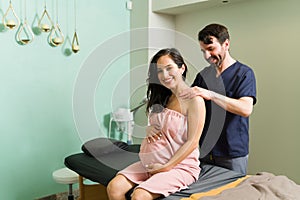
{"points": [[169, 155]]}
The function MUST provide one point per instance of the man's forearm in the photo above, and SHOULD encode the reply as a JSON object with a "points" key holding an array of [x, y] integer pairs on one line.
{"points": [[242, 106]]}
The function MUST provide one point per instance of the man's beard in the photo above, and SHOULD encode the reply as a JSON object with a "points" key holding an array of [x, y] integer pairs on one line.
{"points": [[219, 60]]}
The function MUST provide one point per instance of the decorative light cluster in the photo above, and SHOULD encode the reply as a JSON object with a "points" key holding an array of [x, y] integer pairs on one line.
{"points": [[25, 34]]}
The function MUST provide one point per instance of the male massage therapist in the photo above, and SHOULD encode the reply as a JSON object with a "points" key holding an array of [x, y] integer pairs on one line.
{"points": [[231, 149]]}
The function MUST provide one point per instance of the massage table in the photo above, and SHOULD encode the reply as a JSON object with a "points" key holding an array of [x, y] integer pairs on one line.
{"points": [[102, 158]]}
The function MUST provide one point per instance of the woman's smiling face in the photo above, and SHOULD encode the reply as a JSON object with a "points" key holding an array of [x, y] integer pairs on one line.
{"points": [[168, 72]]}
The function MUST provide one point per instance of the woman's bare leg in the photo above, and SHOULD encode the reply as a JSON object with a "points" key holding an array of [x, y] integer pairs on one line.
{"points": [[141, 194], [118, 187]]}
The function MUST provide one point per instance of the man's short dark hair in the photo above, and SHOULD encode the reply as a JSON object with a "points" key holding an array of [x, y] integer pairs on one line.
{"points": [[213, 30]]}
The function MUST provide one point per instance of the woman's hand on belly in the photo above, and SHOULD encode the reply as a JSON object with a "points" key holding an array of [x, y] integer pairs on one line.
{"points": [[153, 133]]}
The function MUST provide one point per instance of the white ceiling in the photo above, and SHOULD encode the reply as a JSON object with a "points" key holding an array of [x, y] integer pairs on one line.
{"points": [[175, 7]]}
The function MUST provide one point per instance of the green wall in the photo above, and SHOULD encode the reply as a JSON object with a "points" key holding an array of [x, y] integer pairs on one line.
{"points": [[37, 83], [264, 35]]}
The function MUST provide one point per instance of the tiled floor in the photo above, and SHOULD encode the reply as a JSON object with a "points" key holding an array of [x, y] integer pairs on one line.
{"points": [[60, 196]]}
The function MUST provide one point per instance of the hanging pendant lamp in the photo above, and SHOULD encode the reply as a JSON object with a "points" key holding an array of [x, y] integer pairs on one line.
{"points": [[25, 34], [10, 18], [75, 42]]}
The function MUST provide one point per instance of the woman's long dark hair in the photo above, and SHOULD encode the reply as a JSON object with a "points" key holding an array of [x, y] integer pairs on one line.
{"points": [[157, 93]]}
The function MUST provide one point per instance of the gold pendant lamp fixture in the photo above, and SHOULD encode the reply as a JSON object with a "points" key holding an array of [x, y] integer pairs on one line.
{"points": [[10, 18], [24, 33], [75, 42], [45, 22], [56, 36]]}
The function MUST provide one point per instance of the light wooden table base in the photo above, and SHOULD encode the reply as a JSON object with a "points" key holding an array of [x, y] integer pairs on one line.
{"points": [[91, 191]]}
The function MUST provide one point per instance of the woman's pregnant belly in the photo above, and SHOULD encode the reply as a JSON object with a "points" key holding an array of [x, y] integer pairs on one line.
{"points": [[155, 152]]}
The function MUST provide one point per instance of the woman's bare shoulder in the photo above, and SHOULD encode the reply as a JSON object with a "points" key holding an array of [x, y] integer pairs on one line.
{"points": [[195, 101], [193, 104]]}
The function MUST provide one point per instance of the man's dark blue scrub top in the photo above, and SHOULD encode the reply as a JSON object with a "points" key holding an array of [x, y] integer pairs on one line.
{"points": [[236, 81]]}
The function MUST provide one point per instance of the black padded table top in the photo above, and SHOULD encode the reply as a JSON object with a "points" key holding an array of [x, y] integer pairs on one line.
{"points": [[105, 167]]}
